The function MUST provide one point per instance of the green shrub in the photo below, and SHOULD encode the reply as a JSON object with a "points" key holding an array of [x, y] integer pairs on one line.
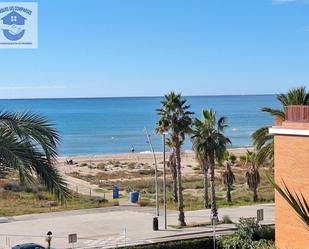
{"points": [[226, 219], [100, 200], [225, 242], [101, 166], [132, 165], [145, 203], [267, 232], [83, 165], [41, 196], [147, 172], [236, 242], [204, 243], [12, 186], [226, 155], [243, 158], [196, 168], [232, 158], [248, 229]]}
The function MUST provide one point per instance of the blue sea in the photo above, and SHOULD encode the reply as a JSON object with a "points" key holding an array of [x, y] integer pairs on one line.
{"points": [[92, 126]]}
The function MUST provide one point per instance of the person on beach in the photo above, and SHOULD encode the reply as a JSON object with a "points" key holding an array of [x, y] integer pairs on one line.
{"points": [[132, 149]]}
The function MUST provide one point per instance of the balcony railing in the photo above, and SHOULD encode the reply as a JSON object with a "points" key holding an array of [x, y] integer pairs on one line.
{"points": [[297, 113]]}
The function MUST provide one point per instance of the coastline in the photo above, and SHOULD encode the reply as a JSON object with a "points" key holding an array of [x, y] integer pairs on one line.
{"points": [[145, 156]]}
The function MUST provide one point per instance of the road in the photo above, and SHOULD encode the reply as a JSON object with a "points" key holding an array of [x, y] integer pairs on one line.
{"points": [[114, 226]]}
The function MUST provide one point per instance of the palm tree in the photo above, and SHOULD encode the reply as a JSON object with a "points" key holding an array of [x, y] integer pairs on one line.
{"points": [[228, 179], [175, 118], [172, 165], [210, 144], [28, 144], [252, 174], [262, 140]]}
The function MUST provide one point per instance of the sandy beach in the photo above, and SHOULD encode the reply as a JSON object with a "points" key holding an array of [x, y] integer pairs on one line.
{"points": [[126, 166], [90, 173], [188, 157]]}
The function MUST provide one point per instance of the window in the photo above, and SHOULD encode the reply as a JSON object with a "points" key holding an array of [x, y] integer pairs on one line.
{"points": [[13, 18]]}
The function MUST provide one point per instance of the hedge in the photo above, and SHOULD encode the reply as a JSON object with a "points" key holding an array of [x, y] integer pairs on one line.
{"points": [[204, 243]]}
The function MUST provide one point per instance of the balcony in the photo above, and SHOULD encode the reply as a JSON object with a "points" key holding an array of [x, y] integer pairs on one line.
{"points": [[297, 113]]}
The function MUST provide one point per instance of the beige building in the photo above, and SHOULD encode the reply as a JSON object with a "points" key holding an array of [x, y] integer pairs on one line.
{"points": [[291, 145]]}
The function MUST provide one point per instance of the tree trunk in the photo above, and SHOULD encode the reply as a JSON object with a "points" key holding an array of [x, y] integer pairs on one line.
{"points": [[228, 193], [181, 217], [214, 211], [172, 164], [255, 196], [206, 197], [175, 192]]}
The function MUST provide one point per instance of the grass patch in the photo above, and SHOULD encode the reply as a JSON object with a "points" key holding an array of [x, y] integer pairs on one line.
{"points": [[100, 190], [19, 203], [198, 224], [101, 166]]}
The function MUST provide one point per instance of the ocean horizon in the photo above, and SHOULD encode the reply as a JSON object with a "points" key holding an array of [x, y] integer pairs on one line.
{"points": [[112, 125]]}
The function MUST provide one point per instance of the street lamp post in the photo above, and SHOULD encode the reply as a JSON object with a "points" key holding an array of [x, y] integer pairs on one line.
{"points": [[164, 179], [214, 220], [49, 236], [156, 171]]}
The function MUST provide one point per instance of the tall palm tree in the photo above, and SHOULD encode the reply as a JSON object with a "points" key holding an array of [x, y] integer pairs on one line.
{"points": [[28, 144], [262, 140], [228, 179], [175, 118], [172, 165], [252, 173], [210, 144]]}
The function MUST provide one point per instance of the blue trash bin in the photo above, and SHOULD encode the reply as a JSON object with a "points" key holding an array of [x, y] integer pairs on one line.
{"points": [[115, 192], [134, 197]]}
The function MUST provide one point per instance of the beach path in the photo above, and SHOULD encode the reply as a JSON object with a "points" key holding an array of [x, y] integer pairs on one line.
{"points": [[84, 187]]}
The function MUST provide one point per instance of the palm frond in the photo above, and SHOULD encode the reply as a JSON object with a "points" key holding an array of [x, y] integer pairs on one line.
{"points": [[274, 112], [261, 137], [31, 127], [296, 201], [28, 144], [27, 159], [208, 138], [266, 153]]}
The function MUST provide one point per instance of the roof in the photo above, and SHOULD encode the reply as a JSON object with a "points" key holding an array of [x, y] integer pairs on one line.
{"points": [[13, 13], [27, 245]]}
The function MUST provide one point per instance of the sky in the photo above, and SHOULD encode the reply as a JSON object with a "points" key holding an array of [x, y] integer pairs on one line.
{"points": [[116, 48]]}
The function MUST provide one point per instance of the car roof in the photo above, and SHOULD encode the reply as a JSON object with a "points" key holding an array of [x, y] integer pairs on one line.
{"points": [[27, 245]]}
